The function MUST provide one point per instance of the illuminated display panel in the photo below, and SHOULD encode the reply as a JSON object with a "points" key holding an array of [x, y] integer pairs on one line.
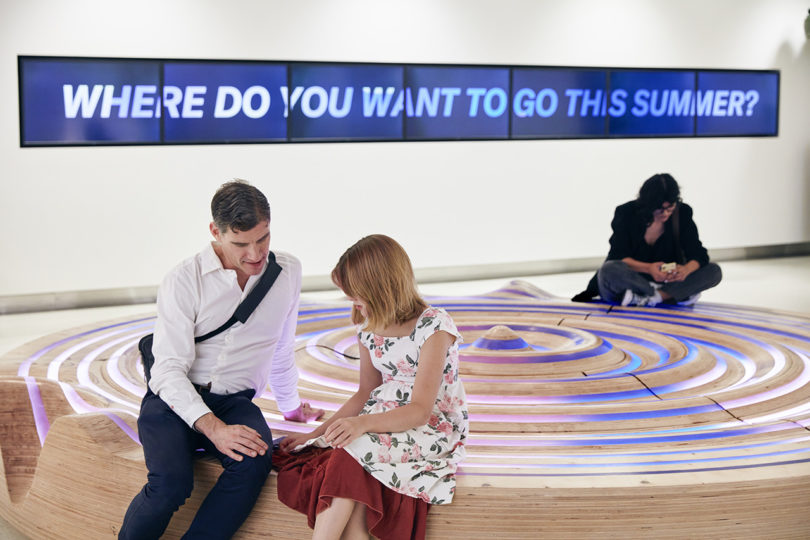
{"points": [[456, 103], [224, 102], [345, 102], [736, 103], [103, 101], [77, 101], [553, 103], [651, 103]]}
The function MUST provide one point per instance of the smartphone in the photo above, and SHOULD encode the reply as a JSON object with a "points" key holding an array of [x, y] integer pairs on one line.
{"points": [[668, 267]]}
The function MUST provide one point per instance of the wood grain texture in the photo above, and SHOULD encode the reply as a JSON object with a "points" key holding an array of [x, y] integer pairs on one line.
{"points": [[609, 423]]}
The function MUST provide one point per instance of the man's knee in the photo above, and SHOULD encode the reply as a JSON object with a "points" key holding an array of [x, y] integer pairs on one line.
{"points": [[252, 469]]}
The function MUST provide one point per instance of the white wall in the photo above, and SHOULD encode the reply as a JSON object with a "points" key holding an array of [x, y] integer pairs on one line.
{"points": [[91, 218]]}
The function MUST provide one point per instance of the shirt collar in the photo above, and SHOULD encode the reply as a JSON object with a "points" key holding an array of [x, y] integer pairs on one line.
{"points": [[211, 263], [210, 260]]}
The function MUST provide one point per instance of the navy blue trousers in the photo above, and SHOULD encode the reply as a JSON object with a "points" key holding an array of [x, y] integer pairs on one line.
{"points": [[169, 447]]}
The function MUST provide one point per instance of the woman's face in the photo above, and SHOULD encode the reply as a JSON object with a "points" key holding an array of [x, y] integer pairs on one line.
{"points": [[662, 214], [360, 305]]}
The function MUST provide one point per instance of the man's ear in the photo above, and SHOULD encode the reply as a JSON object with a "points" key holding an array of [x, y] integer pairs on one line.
{"points": [[215, 232]]}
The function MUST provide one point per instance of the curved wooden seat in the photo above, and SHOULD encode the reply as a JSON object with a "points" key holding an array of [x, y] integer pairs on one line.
{"points": [[586, 421]]}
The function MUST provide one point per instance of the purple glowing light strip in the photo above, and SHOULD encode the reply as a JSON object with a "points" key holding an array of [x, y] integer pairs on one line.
{"points": [[501, 344], [718, 370], [661, 352], [776, 354], [575, 336], [328, 381], [548, 400], [752, 313], [636, 464], [287, 427], [794, 384], [25, 366], [674, 319], [692, 451], [41, 421], [635, 363], [612, 440], [635, 473], [83, 371], [749, 367], [82, 407], [602, 348], [56, 363], [314, 351], [600, 417], [115, 372]]}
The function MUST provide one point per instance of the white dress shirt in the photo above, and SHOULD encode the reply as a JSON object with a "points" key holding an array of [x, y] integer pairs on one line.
{"points": [[198, 296]]}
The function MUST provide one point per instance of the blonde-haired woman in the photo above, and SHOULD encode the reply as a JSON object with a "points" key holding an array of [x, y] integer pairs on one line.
{"points": [[395, 445]]}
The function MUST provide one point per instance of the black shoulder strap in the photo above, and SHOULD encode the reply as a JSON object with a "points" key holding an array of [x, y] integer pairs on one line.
{"points": [[252, 300]]}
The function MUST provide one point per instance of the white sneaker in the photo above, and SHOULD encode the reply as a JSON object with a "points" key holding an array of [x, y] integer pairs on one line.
{"points": [[690, 301], [654, 300], [632, 299], [629, 298], [655, 285]]}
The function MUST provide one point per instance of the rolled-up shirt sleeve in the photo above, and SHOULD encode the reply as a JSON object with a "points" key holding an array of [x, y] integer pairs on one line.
{"points": [[174, 349], [284, 373]]}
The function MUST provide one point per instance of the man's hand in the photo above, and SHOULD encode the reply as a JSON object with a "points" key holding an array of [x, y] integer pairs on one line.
{"points": [[230, 439], [304, 413]]}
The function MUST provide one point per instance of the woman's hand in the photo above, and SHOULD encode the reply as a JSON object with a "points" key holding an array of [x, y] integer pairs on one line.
{"points": [[654, 269], [345, 430], [289, 442], [683, 270]]}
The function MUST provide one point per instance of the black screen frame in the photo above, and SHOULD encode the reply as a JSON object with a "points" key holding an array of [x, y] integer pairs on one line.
{"points": [[21, 59]]}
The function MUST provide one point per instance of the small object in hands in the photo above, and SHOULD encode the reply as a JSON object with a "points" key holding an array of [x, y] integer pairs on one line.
{"points": [[668, 267]]}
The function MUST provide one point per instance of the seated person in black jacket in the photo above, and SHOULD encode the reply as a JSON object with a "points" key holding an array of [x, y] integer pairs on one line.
{"points": [[655, 253]]}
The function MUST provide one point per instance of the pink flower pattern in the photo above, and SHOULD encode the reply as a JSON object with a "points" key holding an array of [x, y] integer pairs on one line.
{"points": [[422, 461]]}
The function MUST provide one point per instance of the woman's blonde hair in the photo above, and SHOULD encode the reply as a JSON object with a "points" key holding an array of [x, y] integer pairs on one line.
{"points": [[378, 271]]}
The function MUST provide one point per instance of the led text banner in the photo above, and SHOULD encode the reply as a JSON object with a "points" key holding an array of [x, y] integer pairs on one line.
{"points": [[99, 101]]}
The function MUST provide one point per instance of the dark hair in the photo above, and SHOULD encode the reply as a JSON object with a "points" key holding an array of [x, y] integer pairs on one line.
{"points": [[656, 190], [238, 206]]}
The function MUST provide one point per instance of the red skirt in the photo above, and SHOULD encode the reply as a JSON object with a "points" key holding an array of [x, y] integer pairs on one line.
{"points": [[308, 481]]}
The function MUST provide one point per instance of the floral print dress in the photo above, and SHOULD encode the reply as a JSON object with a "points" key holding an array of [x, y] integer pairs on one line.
{"points": [[422, 461]]}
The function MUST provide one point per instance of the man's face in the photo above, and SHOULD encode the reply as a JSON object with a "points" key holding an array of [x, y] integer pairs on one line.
{"points": [[243, 251]]}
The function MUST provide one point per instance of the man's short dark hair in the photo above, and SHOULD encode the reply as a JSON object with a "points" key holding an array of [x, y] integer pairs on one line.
{"points": [[238, 206]]}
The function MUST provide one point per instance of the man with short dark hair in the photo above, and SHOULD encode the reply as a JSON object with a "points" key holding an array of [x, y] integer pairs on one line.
{"points": [[200, 395]]}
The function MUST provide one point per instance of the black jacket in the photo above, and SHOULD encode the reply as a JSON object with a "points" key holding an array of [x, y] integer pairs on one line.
{"points": [[678, 243]]}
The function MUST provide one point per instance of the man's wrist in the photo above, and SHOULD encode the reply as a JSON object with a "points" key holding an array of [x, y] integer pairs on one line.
{"points": [[206, 424], [297, 412]]}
